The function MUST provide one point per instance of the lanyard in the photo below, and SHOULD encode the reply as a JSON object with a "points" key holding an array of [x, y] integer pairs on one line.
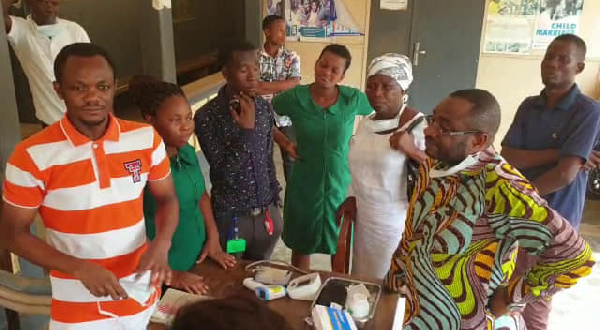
{"points": [[234, 230]]}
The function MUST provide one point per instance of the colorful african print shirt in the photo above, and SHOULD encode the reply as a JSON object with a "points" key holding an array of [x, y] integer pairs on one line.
{"points": [[460, 241]]}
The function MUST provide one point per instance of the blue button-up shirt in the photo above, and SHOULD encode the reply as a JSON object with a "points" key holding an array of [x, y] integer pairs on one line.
{"points": [[572, 126], [242, 171]]}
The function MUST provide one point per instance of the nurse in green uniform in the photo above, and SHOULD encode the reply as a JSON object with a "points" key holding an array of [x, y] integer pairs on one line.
{"points": [[323, 115], [165, 107]]}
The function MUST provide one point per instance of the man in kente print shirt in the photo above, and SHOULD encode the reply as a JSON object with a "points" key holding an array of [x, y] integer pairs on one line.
{"points": [[469, 213]]}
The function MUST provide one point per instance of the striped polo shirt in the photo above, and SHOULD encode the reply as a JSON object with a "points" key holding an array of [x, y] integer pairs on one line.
{"points": [[89, 195]]}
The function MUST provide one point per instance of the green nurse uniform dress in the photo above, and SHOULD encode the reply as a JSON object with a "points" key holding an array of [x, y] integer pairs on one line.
{"points": [[190, 235], [320, 179]]}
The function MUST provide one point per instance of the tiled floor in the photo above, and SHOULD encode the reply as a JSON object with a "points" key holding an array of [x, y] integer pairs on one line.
{"points": [[577, 308]]}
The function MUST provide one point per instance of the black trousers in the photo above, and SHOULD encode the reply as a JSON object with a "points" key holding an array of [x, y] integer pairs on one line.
{"points": [[259, 244]]}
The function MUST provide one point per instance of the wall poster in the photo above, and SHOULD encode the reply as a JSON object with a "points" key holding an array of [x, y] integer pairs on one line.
{"points": [[275, 7], [556, 17], [393, 4], [313, 20], [520, 26]]}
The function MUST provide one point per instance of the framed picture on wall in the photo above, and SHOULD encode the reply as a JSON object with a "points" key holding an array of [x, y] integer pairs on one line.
{"points": [[183, 10], [275, 7]]}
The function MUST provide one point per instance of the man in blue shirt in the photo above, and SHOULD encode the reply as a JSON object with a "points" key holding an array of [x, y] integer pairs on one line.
{"points": [[550, 140]]}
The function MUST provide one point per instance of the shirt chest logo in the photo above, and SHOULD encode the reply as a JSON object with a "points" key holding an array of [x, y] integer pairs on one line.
{"points": [[135, 169]]}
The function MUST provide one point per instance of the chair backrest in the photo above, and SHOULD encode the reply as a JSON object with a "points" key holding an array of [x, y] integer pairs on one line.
{"points": [[11, 262], [342, 258], [22, 294]]}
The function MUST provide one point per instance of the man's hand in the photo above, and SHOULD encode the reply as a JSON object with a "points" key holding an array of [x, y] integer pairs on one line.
{"points": [[100, 281], [246, 118], [405, 143], [291, 148], [156, 260], [499, 302], [213, 250], [284, 143], [404, 291], [593, 160], [346, 211]]}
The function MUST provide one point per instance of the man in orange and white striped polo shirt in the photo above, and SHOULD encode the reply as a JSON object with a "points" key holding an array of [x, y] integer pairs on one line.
{"points": [[85, 175]]}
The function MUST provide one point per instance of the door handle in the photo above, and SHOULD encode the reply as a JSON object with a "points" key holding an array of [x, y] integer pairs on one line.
{"points": [[417, 53]]}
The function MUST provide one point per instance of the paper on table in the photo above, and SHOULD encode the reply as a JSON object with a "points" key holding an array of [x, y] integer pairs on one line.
{"points": [[170, 303], [399, 315]]}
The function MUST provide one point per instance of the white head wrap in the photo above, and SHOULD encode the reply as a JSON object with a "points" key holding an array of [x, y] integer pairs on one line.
{"points": [[396, 66]]}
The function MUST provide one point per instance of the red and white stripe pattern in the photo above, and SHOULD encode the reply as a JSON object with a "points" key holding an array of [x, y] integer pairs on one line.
{"points": [[89, 195]]}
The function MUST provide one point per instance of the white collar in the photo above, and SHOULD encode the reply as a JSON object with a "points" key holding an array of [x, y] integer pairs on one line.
{"points": [[48, 30], [35, 25], [383, 125], [448, 171], [279, 51]]}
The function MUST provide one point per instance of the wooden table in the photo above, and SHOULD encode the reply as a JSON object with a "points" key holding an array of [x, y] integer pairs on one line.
{"points": [[225, 283]]}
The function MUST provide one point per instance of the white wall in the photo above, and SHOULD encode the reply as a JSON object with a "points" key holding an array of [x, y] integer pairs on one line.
{"points": [[357, 45], [511, 78]]}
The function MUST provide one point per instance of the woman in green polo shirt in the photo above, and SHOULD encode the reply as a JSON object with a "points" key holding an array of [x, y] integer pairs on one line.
{"points": [[165, 107], [323, 116]]}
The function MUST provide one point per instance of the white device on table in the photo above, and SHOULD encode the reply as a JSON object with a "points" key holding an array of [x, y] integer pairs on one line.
{"points": [[264, 292], [251, 284], [273, 276], [270, 292], [304, 287], [357, 301]]}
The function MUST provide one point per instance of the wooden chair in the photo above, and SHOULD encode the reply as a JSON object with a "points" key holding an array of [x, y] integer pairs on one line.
{"points": [[342, 258], [21, 294]]}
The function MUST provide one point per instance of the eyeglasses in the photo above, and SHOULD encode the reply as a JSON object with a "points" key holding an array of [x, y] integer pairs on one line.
{"points": [[431, 122]]}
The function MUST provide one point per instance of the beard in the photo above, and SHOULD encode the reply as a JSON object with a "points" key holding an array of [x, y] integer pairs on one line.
{"points": [[448, 156], [457, 154]]}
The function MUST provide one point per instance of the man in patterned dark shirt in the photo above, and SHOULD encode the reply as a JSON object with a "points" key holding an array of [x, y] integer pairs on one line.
{"points": [[235, 131]]}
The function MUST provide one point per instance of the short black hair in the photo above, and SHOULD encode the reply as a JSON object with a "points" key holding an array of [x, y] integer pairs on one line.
{"points": [[234, 313], [339, 50], [149, 93], [80, 50], [270, 19], [485, 114], [575, 40], [226, 52]]}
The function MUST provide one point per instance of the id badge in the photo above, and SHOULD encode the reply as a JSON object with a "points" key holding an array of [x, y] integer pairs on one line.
{"points": [[235, 246], [269, 224]]}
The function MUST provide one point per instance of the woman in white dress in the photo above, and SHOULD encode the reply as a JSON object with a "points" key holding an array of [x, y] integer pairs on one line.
{"points": [[377, 198]]}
